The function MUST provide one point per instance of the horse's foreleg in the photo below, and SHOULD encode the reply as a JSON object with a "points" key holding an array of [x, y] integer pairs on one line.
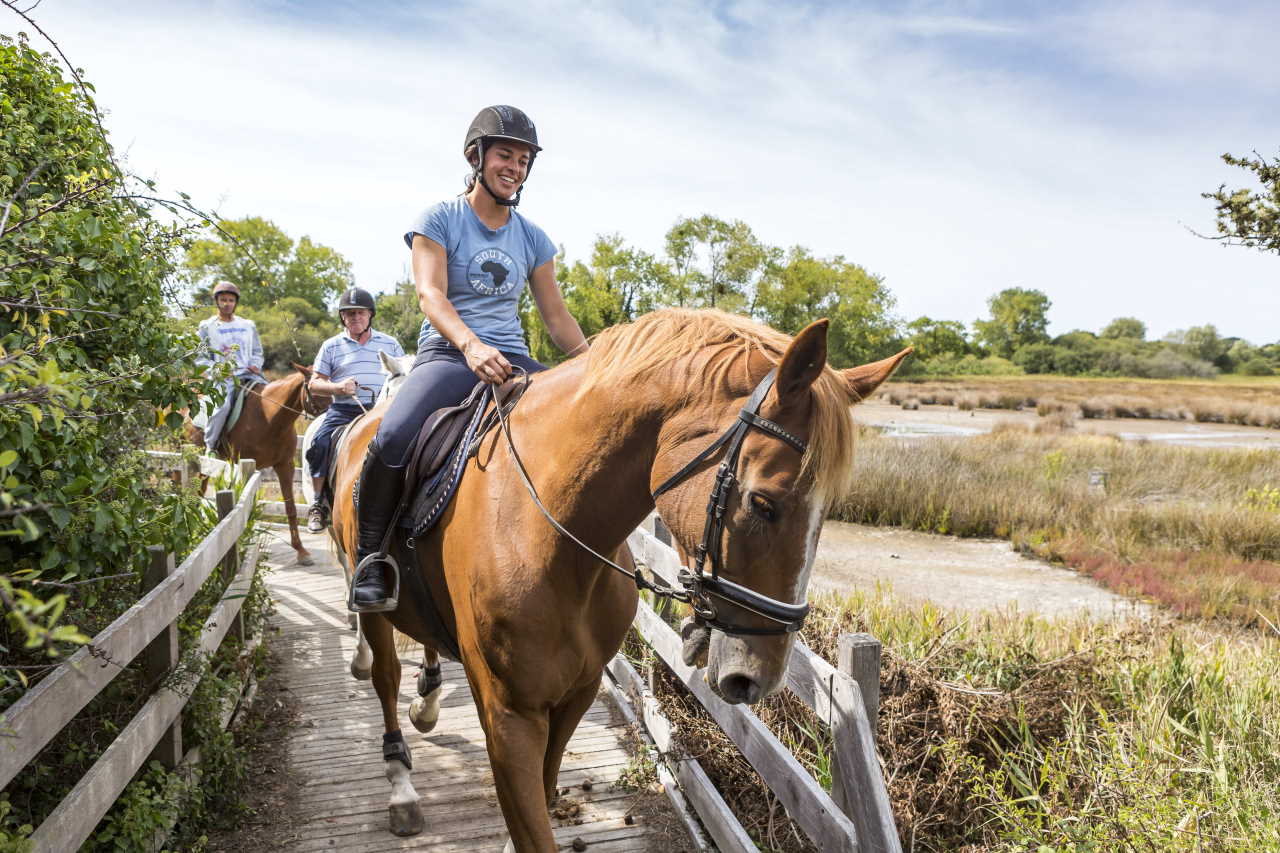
{"points": [[405, 812], [517, 743], [362, 657], [425, 710], [564, 722], [284, 473]]}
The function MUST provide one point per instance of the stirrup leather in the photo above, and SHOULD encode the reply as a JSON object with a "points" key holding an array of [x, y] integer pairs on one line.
{"points": [[370, 564]]}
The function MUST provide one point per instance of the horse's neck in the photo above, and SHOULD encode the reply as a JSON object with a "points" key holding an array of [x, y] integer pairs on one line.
{"points": [[590, 458], [286, 395]]}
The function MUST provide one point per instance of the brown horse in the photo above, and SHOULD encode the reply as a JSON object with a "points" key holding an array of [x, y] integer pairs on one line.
{"points": [[265, 433], [535, 616]]}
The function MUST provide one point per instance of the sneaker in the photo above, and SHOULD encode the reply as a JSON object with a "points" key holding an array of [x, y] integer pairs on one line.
{"points": [[316, 520]]}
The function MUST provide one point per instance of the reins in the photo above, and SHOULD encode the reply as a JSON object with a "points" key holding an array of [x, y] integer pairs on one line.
{"points": [[698, 588]]}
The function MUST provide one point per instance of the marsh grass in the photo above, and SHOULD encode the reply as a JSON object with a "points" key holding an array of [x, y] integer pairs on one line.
{"points": [[1247, 402], [1000, 731], [1174, 524]]}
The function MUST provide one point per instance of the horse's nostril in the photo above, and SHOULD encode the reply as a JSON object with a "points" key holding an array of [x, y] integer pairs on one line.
{"points": [[739, 688]]}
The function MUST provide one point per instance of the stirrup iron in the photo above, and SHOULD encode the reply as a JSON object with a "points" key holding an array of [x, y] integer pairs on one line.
{"points": [[371, 563]]}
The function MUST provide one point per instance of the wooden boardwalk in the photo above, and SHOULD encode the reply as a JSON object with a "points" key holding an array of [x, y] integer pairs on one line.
{"points": [[336, 752]]}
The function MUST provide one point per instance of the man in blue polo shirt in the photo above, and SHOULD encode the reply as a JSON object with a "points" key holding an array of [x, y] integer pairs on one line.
{"points": [[347, 367]]}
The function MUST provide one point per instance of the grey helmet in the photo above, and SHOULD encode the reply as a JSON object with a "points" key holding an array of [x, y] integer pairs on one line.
{"points": [[500, 122], [357, 297]]}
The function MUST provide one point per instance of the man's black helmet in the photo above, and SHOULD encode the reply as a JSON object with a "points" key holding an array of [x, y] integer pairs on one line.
{"points": [[500, 122], [357, 297]]}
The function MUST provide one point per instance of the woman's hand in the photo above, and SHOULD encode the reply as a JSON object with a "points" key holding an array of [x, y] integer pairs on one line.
{"points": [[486, 362]]}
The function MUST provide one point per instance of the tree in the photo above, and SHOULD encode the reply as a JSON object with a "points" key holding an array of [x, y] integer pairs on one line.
{"points": [[801, 288], [1200, 342], [932, 338], [1018, 317], [266, 264], [1247, 217], [88, 353], [1126, 327], [400, 315], [714, 263]]}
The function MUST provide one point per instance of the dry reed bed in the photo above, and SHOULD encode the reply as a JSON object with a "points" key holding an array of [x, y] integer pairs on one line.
{"points": [[1253, 404], [1175, 524], [1005, 732]]}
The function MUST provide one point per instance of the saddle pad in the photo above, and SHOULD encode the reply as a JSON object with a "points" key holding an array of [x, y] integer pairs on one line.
{"points": [[440, 453]]}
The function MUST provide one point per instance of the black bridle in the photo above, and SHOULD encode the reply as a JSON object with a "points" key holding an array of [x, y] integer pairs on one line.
{"points": [[700, 590]]}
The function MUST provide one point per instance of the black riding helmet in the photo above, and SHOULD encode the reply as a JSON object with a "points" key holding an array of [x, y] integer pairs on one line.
{"points": [[500, 122], [357, 297]]}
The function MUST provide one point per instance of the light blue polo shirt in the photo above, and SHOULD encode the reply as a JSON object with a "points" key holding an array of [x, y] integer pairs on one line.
{"points": [[342, 357], [487, 269]]}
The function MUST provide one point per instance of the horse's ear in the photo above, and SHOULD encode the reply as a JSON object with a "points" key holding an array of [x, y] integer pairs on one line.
{"points": [[863, 380], [389, 364], [303, 369], [803, 361]]}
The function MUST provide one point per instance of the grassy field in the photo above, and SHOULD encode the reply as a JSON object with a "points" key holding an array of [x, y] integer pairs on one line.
{"points": [[1244, 400], [1011, 733], [1197, 530]]}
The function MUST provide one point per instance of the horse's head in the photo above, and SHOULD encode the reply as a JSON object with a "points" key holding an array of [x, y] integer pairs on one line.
{"points": [[777, 454], [397, 370], [313, 404]]}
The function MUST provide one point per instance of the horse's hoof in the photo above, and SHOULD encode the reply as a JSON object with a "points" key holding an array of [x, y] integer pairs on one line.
{"points": [[361, 674], [424, 712], [406, 819], [305, 559], [353, 621]]}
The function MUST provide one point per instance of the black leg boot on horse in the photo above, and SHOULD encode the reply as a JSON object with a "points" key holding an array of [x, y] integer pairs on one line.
{"points": [[376, 585]]}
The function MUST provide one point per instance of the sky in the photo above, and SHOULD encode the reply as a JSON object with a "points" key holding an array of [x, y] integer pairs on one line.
{"points": [[953, 148]]}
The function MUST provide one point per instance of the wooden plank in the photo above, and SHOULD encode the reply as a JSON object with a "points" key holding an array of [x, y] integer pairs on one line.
{"points": [[720, 822], [72, 821], [46, 708], [809, 806], [862, 794]]}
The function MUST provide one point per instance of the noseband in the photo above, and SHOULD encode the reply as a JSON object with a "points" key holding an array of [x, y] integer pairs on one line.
{"points": [[699, 589], [703, 588]]}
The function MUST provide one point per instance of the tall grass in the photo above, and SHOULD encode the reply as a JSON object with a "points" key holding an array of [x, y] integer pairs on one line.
{"points": [[1246, 402], [1004, 732], [1174, 524]]}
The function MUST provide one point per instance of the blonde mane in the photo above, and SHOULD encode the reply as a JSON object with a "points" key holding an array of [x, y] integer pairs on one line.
{"points": [[660, 339]]}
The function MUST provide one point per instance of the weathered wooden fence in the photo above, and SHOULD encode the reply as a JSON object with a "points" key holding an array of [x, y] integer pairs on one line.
{"points": [[148, 628], [856, 815]]}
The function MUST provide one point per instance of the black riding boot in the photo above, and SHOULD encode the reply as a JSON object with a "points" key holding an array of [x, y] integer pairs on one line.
{"points": [[376, 586]]}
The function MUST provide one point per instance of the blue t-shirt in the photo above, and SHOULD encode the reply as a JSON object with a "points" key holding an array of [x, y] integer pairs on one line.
{"points": [[487, 269], [342, 357]]}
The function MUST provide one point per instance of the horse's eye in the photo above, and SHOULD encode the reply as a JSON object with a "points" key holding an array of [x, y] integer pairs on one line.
{"points": [[763, 507]]}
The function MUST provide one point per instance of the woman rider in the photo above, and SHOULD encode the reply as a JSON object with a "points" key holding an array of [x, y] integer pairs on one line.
{"points": [[471, 257]]}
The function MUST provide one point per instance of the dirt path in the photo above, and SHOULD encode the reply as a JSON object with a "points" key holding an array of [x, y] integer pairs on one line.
{"points": [[965, 574]]}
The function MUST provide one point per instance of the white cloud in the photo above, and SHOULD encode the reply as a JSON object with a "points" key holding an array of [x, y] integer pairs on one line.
{"points": [[955, 154]]}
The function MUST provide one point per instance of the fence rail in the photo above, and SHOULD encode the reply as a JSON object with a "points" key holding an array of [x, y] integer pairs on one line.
{"points": [[856, 815], [147, 628]]}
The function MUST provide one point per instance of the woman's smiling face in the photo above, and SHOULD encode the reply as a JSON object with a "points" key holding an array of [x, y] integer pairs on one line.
{"points": [[506, 165]]}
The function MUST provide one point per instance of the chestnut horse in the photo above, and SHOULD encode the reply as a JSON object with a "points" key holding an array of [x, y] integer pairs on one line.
{"points": [[265, 433], [536, 617]]}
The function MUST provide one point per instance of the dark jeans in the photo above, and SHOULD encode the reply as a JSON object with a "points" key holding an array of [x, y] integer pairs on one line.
{"points": [[439, 378], [318, 453]]}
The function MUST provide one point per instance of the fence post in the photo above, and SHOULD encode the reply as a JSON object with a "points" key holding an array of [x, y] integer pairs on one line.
{"points": [[226, 501], [857, 656], [663, 534], [160, 657]]}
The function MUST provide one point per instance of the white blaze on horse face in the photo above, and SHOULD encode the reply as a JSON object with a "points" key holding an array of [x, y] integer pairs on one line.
{"points": [[810, 550]]}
